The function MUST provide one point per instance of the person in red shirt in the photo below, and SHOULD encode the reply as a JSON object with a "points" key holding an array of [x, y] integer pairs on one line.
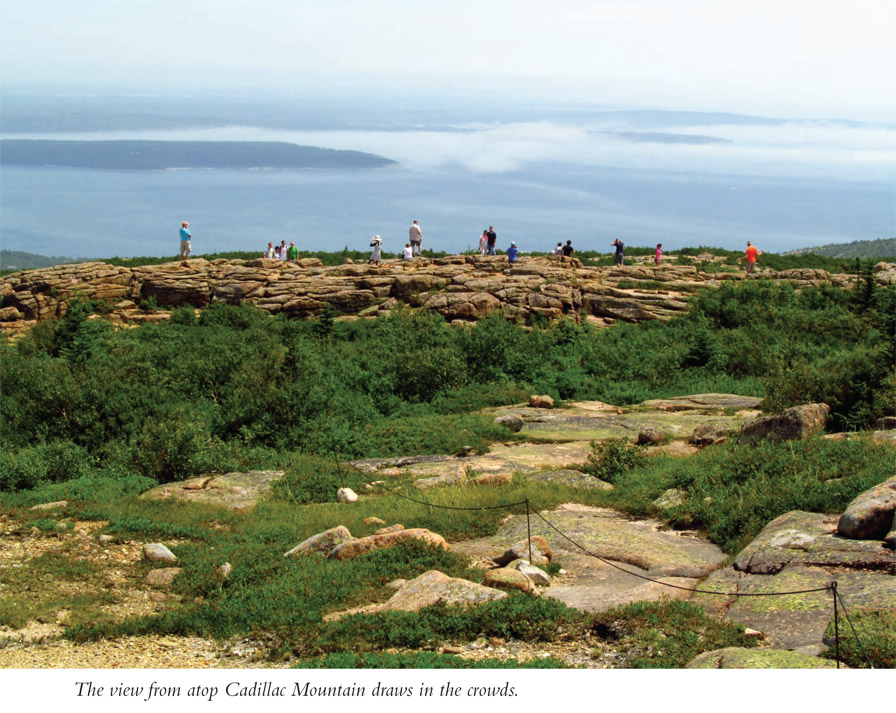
{"points": [[750, 257]]}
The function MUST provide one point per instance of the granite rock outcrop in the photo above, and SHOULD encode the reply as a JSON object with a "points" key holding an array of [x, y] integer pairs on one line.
{"points": [[459, 287]]}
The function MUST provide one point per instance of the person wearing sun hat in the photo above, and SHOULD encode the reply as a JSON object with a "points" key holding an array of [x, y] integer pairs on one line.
{"points": [[377, 245], [512, 252], [185, 237]]}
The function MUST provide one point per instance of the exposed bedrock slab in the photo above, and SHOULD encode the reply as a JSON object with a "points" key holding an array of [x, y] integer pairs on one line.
{"points": [[794, 620], [735, 657], [632, 547], [239, 491], [595, 420], [804, 538], [795, 553]]}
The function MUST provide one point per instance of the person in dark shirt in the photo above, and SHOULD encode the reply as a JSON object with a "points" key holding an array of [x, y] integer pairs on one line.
{"points": [[492, 239], [620, 255], [567, 249]]}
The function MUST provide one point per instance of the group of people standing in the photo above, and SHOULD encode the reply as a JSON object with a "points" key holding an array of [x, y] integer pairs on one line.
{"points": [[282, 252], [487, 242], [413, 247]]}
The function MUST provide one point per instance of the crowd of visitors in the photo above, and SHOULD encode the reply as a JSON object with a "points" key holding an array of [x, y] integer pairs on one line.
{"points": [[487, 242]]}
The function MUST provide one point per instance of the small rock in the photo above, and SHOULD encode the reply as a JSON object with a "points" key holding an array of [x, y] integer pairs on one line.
{"points": [[373, 521], [434, 587], [346, 495], [323, 543], [157, 552], [545, 401], [392, 528], [224, 570], [651, 437], [452, 649], [537, 575], [710, 434], [465, 452], [753, 634], [363, 545], [870, 515], [162, 577], [791, 424], [158, 596], [514, 422], [541, 552], [672, 498], [885, 424], [50, 506], [105, 539], [508, 579]]}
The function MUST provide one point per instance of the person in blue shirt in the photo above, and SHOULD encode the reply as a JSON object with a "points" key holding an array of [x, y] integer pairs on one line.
{"points": [[512, 252], [185, 240]]}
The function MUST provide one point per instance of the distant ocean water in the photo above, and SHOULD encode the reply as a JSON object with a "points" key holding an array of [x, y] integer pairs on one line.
{"points": [[84, 213], [537, 184]]}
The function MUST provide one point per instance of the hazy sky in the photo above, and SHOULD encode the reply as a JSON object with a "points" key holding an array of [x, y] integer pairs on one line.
{"points": [[782, 57]]}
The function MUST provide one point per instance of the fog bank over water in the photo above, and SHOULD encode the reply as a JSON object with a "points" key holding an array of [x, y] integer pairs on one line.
{"points": [[796, 149]]}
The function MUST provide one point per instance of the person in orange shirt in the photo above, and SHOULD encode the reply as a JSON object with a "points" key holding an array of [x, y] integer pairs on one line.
{"points": [[750, 257]]}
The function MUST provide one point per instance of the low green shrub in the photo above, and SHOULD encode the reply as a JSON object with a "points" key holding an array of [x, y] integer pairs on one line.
{"points": [[875, 646], [94, 488], [665, 634], [612, 458], [733, 491], [311, 479], [517, 617], [45, 463]]}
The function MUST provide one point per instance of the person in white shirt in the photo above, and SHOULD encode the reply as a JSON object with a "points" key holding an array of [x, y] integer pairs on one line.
{"points": [[416, 237], [408, 252]]}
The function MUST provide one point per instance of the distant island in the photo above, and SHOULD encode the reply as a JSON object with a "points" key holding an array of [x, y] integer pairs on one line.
{"points": [[667, 138], [161, 155]]}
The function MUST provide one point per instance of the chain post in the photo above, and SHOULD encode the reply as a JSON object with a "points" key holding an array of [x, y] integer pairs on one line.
{"points": [[529, 531], [836, 624]]}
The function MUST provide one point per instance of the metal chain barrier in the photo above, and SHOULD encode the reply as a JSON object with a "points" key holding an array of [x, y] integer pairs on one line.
{"points": [[832, 587]]}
